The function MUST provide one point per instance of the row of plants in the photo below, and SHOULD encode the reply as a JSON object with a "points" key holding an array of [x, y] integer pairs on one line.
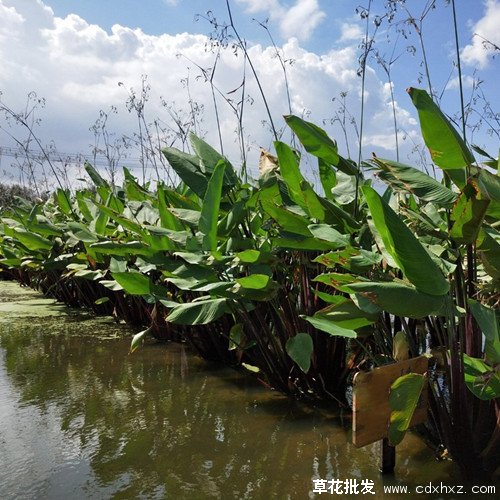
{"points": [[302, 289]]}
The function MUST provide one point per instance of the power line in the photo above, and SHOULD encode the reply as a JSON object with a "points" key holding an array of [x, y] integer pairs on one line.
{"points": [[76, 158], [56, 156]]}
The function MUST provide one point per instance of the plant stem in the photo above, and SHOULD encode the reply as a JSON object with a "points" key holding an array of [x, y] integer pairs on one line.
{"points": [[367, 46], [243, 47]]}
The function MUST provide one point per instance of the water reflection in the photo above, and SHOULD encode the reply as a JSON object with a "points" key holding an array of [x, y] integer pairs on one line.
{"points": [[83, 419]]}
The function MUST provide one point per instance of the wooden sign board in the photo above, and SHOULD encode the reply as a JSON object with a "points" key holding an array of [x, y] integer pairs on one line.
{"points": [[371, 410]]}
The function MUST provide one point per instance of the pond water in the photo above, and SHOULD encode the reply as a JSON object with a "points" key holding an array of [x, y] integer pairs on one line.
{"points": [[81, 418]]}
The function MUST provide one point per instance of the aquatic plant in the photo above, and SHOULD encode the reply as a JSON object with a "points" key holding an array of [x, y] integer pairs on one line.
{"points": [[287, 283]]}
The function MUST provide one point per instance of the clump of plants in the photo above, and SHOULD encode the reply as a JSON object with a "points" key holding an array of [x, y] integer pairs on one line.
{"points": [[300, 288]]}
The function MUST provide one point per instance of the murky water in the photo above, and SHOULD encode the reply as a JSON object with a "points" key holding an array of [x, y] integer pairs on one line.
{"points": [[80, 418]]}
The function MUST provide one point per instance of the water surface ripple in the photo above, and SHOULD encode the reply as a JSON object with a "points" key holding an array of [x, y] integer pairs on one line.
{"points": [[80, 418]]}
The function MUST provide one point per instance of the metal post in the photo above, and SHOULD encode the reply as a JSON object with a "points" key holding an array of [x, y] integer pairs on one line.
{"points": [[388, 457]]}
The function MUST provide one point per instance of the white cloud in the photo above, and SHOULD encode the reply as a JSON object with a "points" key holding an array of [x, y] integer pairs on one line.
{"points": [[302, 19], [467, 82], [350, 32], [171, 3], [486, 29], [298, 21], [76, 66], [273, 7]]}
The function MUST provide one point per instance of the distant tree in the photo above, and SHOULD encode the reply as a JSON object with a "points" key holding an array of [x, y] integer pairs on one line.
{"points": [[9, 193]]}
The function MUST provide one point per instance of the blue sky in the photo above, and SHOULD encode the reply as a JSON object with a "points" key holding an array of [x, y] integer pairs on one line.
{"points": [[74, 53]]}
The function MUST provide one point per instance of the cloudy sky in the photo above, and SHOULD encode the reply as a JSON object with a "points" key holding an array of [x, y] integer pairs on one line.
{"points": [[86, 56]]}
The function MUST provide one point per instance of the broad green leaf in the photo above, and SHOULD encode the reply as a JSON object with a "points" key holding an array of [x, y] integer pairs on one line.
{"points": [[287, 220], [177, 200], [327, 177], [255, 287], [481, 379], [254, 281], [12, 262], [489, 322], [409, 254], [188, 216], [44, 227], [235, 336], [100, 224], [32, 241], [403, 400], [488, 249], [328, 298], [352, 259], [327, 233], [122, 220], [203, 274], [406, 180], [198, 313], [488, 184], [338, 217], [191, 257], [347, 315], [109, 199], [381, 244], [209, 158], [134, 283], [88, 274], [482, 152], [290, 172], [111, 285], [82, 205], [428, 220], [133, 189], [251, 368], [169, 304], [437, 253], [313, 244], [187, 168], [447, 148], [101, 300], [81, 232], [398, 299], [179, 237], [300, 348], [63, 200], [344, 192], [158, 243], [328, 326], [249, 256], [234, 217], [121, 249], [8, 227], [95, 176], [138, 339], [146, 214], [316, 141], [468, 214], [210, 209], [168, 220], [338, 280], [299, 189], [493, 212], [269, 194], [314, 206]]}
